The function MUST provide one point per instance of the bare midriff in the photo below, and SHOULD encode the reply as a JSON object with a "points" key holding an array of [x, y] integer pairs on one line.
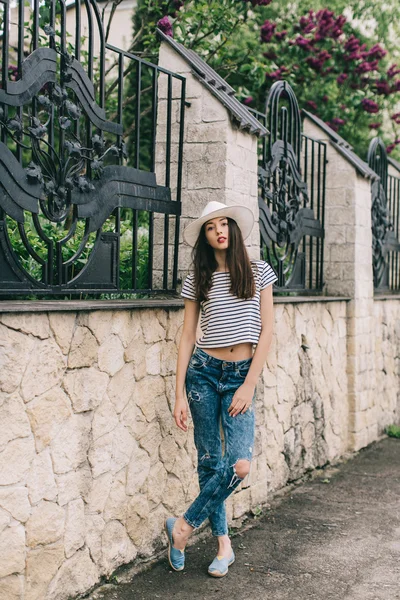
{"points": [[234, 352]]}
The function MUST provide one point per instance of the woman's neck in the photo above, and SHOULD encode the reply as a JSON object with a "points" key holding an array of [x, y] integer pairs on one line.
{"points": [[220, 257]]}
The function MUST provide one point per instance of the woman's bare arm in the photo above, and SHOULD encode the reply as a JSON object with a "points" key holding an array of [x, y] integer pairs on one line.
{"points": [[243, 396], [186, 345]]}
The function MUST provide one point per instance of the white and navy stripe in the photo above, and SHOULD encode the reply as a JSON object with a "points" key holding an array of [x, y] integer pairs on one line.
{"points": [[225, 318]]}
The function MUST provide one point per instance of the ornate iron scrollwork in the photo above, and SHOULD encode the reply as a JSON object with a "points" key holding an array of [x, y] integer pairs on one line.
{"points": [[63, 163], [285, 217], [383, 236]]}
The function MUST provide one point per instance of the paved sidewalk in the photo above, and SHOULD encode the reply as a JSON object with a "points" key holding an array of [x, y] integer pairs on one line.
{"points": [[338, 540]]}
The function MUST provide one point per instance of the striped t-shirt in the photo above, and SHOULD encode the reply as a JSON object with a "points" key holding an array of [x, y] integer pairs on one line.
{"points": [[226, 319]]}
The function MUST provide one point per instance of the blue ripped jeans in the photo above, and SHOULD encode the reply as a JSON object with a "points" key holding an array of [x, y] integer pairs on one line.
{"points": [[210, 386]]}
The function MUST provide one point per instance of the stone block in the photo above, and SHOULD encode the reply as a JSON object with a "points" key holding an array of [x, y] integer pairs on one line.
{"points": [[105, 418], [99, 323], [74, 484], [120, 390], [15, 501], [123, 447], [45, 525], [209, 176], [111, 355], [206, 132], [83, 351], [100, 454], [138, 471], [213, 110], [42, 564], [98, 493], [15, 352], [47, 414], [117, 548], [13, 419], [94, 529], [86, 388], [153, 331], [12, 587], [15, 460], [74, 536], [76, 576], [12, 550], [44, 370], [31, 323], [70, 446], [62, 326], [40, 480], [153, 359]]}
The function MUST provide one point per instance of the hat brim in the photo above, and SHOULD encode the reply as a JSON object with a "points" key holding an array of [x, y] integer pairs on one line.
{"points": [[241, 214]]}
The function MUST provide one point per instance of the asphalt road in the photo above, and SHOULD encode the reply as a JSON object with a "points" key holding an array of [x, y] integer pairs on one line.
{"points": [[332, 540]]}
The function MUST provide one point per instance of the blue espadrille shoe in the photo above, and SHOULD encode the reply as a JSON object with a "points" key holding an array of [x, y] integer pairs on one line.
{"points": [[220, 564], [176, 557]]}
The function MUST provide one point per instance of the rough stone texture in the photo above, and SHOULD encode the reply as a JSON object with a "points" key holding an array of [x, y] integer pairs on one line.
{"points": [[76, 575], [85, 387], [42, 564], [45, 525], [12, 550], [12, 587]]}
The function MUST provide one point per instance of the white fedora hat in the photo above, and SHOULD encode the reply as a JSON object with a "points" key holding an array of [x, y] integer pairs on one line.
{"points": [[239, 213]]}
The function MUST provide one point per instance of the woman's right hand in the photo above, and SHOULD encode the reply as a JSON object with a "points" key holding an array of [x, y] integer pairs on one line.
{"points": [[180, 413]]}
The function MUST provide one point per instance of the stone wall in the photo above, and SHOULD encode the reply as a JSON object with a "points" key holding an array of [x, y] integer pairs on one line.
{"points": [[91, 462], [387, 361]]}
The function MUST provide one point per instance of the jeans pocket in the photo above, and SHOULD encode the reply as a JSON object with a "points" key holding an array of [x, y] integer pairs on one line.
{"points": [[197, 362], [243, 369]]}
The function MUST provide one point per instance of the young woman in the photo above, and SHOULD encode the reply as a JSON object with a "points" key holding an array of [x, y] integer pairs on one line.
{"points": [[234, 296]]}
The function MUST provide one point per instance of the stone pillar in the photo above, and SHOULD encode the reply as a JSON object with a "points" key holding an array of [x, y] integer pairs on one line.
{"points": [[219, 160], [348, 272]]}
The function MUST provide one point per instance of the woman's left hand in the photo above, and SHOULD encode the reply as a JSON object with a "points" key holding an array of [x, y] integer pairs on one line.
{"points": [[242, 399]]}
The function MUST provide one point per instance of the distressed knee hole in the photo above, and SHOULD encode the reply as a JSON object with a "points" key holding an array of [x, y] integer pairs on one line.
{"points": [[242, 468]]}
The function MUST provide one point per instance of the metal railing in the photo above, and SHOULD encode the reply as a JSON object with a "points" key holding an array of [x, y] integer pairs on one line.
{"points": [[91, 141], [385, 209], [292, 178]]}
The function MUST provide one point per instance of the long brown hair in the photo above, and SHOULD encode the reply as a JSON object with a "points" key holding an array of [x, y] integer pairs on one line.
{"points": [[237, 259]]}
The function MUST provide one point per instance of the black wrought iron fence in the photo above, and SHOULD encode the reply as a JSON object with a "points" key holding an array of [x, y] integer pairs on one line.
{"points": [[385, 220], [292, 177], [91, 141]]}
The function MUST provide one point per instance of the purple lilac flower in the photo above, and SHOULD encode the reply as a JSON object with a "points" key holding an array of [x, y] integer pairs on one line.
{"points": [[383, 88], [280, 35], [248, 100], [374, 125], [396, 86], [390, 148], [341, 78], [352, 44], [270, 54], [332, 125], [166, 26], [392, 71], [13, 72], [302, 42], [396, 118], [325, 98], [276, 74], [377, 52], [312, 104], [338, 121], [369, 105], [267, 31]]}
